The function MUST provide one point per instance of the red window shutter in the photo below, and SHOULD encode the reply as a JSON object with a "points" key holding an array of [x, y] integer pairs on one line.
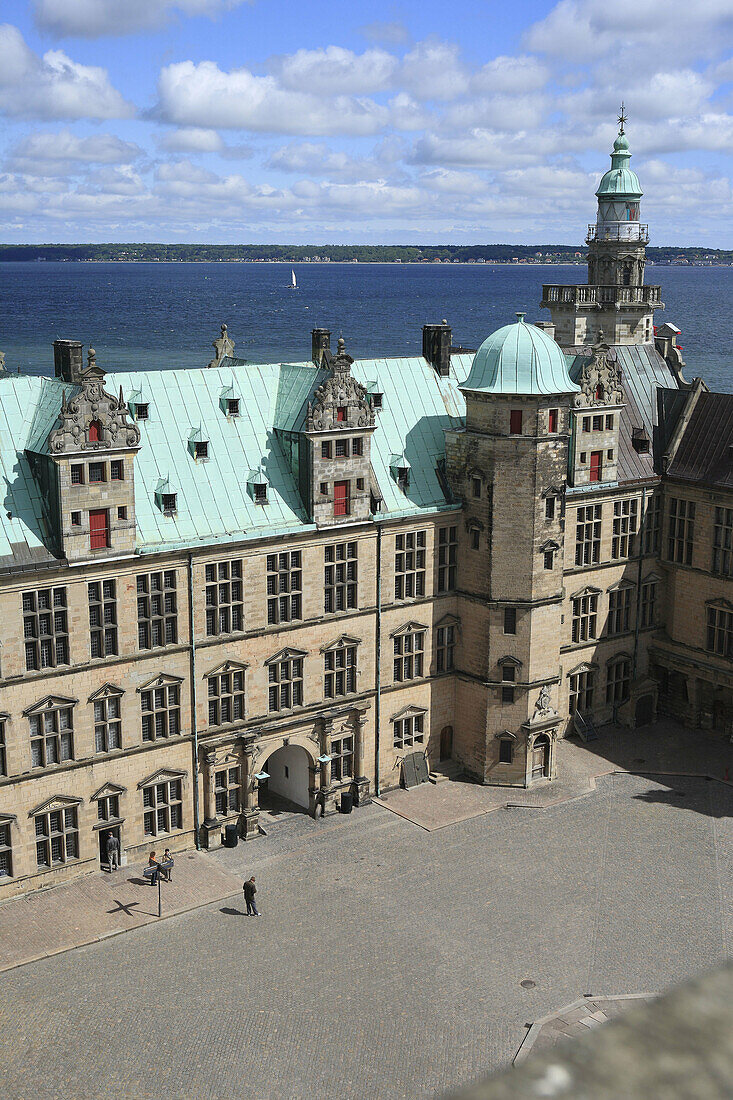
{"points": [[515, 422], [94, 431], [341, 413], [341, 498], [596, 458], [553, 420], [98, 529]]}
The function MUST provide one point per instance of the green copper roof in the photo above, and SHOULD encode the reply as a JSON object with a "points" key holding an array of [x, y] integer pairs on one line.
{"points": [[519, 359], [620, 181]]}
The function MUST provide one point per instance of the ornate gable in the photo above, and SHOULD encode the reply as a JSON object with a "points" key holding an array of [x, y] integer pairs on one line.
{"points": [[225, 667], [286, 655], [408, 712], [340, 402], [93, 420], [163, 680], [108, 790], [339, 643], [56, 802], [107, 691], [163, 775], [600, 378], [50, 702]]}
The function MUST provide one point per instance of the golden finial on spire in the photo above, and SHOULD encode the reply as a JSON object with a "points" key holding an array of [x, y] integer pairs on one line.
{"points": [[622, 118]]}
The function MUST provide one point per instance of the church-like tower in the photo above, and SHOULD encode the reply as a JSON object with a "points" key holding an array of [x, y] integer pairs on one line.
{"points": [[615, 299]]}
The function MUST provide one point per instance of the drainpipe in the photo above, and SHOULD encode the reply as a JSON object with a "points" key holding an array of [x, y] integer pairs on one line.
{"points": [[194, 726], [637, 624], [378, 662]]}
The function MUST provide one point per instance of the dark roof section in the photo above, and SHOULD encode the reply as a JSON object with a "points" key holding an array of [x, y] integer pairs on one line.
{"points": [[643, 373], [704, 453], [670, 406]]}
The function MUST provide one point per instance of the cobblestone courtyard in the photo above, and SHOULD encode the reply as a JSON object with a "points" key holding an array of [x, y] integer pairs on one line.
{"points": [[388, 961]]}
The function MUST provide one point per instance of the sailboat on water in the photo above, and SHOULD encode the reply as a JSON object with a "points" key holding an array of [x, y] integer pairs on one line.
{"points": [[293, 281]]}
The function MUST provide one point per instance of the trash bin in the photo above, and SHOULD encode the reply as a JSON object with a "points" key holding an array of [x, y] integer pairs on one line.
{"points": [[347, 801], [231, 835]]}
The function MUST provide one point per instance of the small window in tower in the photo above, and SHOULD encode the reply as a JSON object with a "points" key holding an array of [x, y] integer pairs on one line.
{"points": [[510, 620], [341, 414], [324, 488], [377, 400], [360, 483], [586, 423], [170, 504], [550, 508], [116, 471], [122, 512], [549, 559], [232, 406], [476, 486], [201, 449], [553, 419], [77, 474], [507, 694], [599, 392], [356, 446], [609, 455], [95, 431], [505, 751], [609, 423], [583, 457], [341, 501], [475, 537], [141, 411], [342, 448], [515, 422], [96, 473], [326, 449], [76, 519], [597, 423]]}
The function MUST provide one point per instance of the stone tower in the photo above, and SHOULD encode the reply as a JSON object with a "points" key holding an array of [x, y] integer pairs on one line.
{"points": [[509, 466], [615, 298]]}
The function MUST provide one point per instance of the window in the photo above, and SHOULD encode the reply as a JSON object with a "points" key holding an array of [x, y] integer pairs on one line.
{"points": [[232, 406], [226, 791], [341, 498], [652, 523], [326, 449], [720, 632], [161, 712], [476, 486], [260, 489], [596, 466], [95, 431], [357, 446], [157, 618], [201, 449], [142, 411], [588, 535], [510, 620], [515, 422], [102, 618], [122, 512], [284, 585], [506, 750], [170, 503], [618, 680], [549, 559], [224, 603], [582, 690], [341, 414], [45, 628], [619, 610], [342, 758], [681, 532], [3, 749], [723, 542], [76, 519], [6, 853], [77, 474], [360, 484], [597, 423], [625, 517], [585, 612], [98, 529], [475, 537], [445, 642], [583, 458], [96, 473], [648, 603], [116, 471], [409, 581], [340, 576], [57, 837], [508, 675], [377, 400], [408, 655], [586, 423], [552, 419], [226, 697], [286, 683], [550, 508], [340, 671], [342, 448], [324, 488], [609, 423], [108, 808], [107, 724], [163, 807], [447, 558], [408, 731]]}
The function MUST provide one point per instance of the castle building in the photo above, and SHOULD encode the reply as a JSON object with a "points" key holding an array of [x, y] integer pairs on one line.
{"points": [[315, 581]]}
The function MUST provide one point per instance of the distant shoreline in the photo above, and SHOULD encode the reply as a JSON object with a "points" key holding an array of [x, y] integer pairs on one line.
{"points": [[369, 263]]}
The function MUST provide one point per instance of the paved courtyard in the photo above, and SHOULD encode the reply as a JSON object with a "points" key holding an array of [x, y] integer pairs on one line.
{"points": [[389, 960]]}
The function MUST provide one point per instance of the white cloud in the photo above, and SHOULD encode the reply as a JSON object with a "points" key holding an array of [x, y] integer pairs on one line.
{"points": [[202, 95], [191, 140], [53, 86], [333, 71], [433, 71], [63, 153], [511, 75], [97, 18], [317, 159]]}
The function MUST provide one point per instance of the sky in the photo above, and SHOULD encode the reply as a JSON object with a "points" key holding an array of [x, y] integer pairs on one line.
{"points": [[306, 121]]}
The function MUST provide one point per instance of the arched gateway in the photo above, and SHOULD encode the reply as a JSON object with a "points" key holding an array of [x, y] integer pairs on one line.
{"points": [[289, 779]]}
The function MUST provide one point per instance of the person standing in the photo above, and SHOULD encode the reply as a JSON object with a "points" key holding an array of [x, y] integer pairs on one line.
{"points": [[249, 896], [167, 858], [152, 862], [113, 852]]}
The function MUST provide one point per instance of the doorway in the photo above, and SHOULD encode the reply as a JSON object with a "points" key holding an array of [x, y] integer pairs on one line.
{"points": [[289, 782], [540, 762], [644, 710], [103, 834], [446, 743]]}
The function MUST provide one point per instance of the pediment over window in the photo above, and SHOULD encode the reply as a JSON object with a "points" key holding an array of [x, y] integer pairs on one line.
{"points": [[623, 583], [720, 602], [163, 775], [408, 712], [587, 591], [650, 578], [57, 802], [509, 660], [163, 680], [49, 703], [287, 655], [552, 491], [448, 620], [109, 790], [618, 657], [107, 691], [505, 735], [408, 628], [227, 666], [339, 643], [8, 819], [585, 666], [474, 525], [549, 544]]}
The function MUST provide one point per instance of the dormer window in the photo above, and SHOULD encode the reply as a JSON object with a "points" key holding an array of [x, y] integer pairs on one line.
{"points": [[142, 411], [257, 486], [377, 400], [260, 494], [170, 504], [233, 406], [201, 450], [95, 431]]}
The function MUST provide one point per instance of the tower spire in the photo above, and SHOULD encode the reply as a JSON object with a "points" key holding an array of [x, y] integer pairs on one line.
{"points": [[622, 119]]}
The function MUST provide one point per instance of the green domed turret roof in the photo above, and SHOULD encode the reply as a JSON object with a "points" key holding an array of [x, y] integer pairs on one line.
{"points": [[620, 182], [519, 359]]}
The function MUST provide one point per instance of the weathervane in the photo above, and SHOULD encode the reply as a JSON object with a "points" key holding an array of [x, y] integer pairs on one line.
{"points": [[622, 118]]}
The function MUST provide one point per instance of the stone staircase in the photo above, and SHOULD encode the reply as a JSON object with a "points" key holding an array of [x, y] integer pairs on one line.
{"points": [[448, 769]]}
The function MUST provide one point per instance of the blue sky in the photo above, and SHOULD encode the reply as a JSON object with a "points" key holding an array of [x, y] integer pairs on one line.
{"points": [[271, 120]]}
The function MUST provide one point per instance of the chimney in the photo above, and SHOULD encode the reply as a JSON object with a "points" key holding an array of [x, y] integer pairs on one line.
{"points": [[436, 345], [67, 360], [546, 326], [320, 344]]}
